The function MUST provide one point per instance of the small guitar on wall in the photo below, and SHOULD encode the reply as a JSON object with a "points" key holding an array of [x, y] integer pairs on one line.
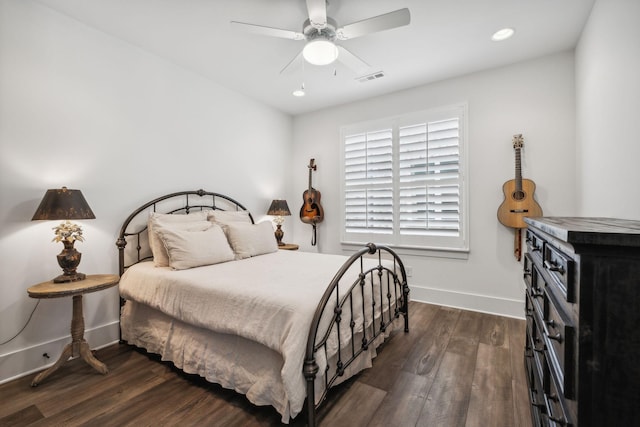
{"points": [[311, 211], [518, 198]]}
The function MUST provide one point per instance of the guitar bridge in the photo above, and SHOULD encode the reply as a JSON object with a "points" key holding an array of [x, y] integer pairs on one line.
{"points": [[519, 210]]}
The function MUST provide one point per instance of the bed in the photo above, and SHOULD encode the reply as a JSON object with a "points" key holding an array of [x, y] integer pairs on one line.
{"points": [[207, 289]]}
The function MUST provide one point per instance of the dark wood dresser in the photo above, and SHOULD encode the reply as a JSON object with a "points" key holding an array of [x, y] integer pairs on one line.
{"points": [[582, 352]]}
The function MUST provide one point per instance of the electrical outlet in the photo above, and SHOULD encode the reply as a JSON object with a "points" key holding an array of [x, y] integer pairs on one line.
{"points": [[409, 271]]}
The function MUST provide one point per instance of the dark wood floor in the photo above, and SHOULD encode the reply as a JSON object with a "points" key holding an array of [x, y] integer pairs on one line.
{"points": [[454, 368]]}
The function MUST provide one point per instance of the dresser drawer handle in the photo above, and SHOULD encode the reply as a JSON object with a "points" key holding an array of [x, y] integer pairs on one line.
{"points": [[536, 349], [552, 267], [560, 421], [539, 405], [556, 337], [533, 399]]}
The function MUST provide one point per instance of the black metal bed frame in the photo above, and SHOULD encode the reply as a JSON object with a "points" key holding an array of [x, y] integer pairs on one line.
{"points": [[339, 296]]}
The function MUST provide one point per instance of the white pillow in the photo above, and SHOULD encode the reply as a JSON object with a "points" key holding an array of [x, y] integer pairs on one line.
{"points": [[226, 217], [249, 240], [160, 257], [195, 248]]}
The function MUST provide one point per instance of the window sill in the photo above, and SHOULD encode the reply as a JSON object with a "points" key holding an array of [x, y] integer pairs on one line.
{"points": [[414, 250]]}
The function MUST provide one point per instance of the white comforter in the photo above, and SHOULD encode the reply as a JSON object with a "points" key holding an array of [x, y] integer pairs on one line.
{"points": [[270, 299]]}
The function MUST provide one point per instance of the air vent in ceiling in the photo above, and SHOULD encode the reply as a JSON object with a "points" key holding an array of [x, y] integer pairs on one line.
{"points": [[369, 77]]}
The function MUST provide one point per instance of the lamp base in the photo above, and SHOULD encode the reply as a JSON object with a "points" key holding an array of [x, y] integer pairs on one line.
{"points": [[69, 259], [64, 278], [279, 234]]}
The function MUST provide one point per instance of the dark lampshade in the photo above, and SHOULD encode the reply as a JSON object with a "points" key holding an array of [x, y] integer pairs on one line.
{"points": [[63, 203], [279, 208]]}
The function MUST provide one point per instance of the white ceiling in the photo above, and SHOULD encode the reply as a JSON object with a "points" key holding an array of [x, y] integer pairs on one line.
{"points": [[446, 38]]}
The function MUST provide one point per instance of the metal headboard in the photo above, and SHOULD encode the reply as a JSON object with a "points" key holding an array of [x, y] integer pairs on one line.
{"points": [[134, 228]]}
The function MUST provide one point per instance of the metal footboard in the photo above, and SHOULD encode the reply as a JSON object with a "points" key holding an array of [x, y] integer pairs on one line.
{"points": [[379, 294], [387, 300]]}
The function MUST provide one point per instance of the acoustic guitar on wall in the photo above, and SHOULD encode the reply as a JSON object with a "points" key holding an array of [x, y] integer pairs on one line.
{"points": [[518, 200], [311, 211], [518, 195]]}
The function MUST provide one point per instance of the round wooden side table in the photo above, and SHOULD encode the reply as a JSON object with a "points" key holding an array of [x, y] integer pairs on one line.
{"points": [[288, 247], [78, 346]]}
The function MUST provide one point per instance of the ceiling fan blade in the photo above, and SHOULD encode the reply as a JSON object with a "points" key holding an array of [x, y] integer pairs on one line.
{"points": [[295, 58], [317, 13], [387, 21], [268, 31], [352, 61]]}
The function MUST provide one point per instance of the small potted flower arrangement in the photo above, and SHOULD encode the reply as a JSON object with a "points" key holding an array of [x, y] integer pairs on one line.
{"points": [[68, 232]]}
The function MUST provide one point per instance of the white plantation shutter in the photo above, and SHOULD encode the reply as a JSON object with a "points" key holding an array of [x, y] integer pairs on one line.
{"points": [[404, 181], [369, 211], [429, 200], [369, 179]]}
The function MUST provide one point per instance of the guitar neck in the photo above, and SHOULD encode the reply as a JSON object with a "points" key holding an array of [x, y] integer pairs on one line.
{"points": [[312, 166], [518, 171]]}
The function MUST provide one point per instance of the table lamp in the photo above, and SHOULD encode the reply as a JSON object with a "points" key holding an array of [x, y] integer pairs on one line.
{"points": [[65, 204], [279, 209]]}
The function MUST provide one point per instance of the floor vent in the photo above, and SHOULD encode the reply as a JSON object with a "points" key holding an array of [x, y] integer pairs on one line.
{"points": [[369, 77]]}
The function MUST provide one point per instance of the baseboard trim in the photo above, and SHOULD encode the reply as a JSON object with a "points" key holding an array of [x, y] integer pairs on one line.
{"points": [[29, 360], [474, 302]]}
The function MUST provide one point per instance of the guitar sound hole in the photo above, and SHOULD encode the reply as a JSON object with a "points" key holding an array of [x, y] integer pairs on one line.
{"points": [[518, 195]]}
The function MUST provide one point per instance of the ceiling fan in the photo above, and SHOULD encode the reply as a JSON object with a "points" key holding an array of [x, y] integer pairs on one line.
{"points": [[320, 33]]}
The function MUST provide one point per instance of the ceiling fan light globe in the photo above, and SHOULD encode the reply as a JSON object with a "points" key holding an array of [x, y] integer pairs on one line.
{"points": [[320, 52]]}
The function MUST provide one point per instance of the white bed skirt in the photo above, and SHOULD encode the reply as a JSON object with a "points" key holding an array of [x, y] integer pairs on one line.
{"points": [[233, 362]]}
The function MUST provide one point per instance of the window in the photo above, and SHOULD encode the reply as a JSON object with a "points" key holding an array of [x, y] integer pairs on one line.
{"points": [[404, 181]]}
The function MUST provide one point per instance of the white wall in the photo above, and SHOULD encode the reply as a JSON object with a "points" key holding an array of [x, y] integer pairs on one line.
{"points": [[82, 109], [608, 104], [536, 99], [85, 110]]}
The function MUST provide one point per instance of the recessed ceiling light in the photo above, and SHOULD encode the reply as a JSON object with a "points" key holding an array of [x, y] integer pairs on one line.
{"points": [[299, 92], [502, 34]]}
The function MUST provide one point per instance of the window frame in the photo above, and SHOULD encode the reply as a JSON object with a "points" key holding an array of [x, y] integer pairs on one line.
{"points": [[456, 247]]}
